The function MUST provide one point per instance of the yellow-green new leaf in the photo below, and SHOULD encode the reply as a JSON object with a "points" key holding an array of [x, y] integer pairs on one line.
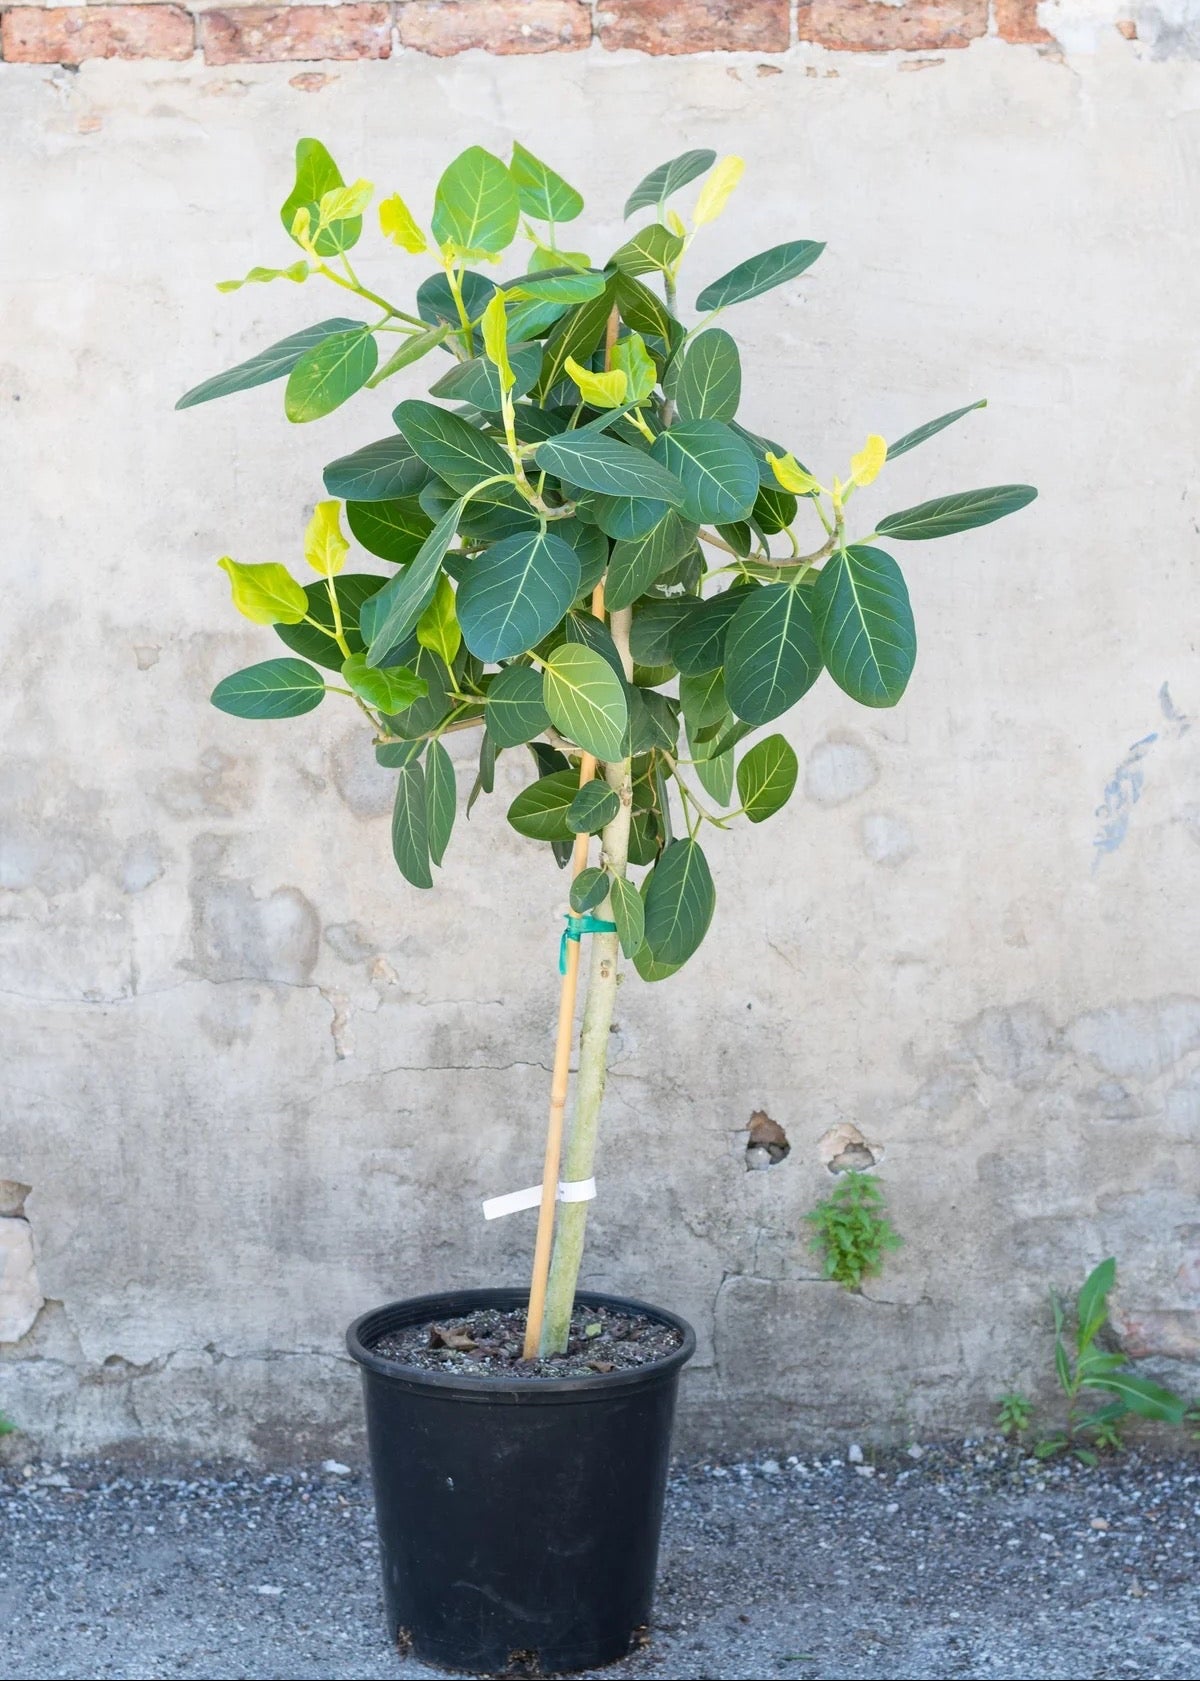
{"points": [[438, 628], [865, 466], [340, 203], [267, 594], [631, 358], [714, 195], [391, 688], [602, 391], [397, 223], [789, 473], [325, 549], [298, 272], [495, 339]]}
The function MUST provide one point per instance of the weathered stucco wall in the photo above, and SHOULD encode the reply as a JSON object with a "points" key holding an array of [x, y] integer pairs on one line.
{"points": [[252, 1083]]}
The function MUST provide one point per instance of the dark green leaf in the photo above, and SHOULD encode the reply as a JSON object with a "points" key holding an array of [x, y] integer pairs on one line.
{"points": [[774, 509], [589, 889], [1093, 1300], [272, 363], [588, 543], [441, 798], [668, 178], [714, 772], [633, 566], [476, 207], [771, 653], [410, 351], [654, 624], [702, 699], [865, 625], [629, 915], [766, 777], [532, 319], [434, 706], [410, 827], [316, 175], [961, 512], [394, 755], [459, 454], [1146, 1399], [760, 448], [435, 300], [594, 461], [353, 588], [645, 837], [706, 382], [515, 711], [274, 689], [644, 310], [716, 468], [593, 633], [477, 382], [739, 536], [515, 593], [652, 247], [543, 194], [402, 600], [328, 374], [593, 806], [393, 530], [586, 700], [761, 273], [918, 435], [698, 643], [628, 518], [680, 898], [378, 472], [540, 811], [653, 721]]}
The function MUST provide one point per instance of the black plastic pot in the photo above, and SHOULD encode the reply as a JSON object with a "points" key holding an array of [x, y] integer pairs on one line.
{"points": [[518, 1517]]}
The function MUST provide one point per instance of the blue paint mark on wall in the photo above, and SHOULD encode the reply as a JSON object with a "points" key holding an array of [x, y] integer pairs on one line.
{"points": [[1121, 794], [1124, 789]]}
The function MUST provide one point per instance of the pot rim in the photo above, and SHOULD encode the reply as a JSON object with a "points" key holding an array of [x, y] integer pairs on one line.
{"points": [[369, 1327]]}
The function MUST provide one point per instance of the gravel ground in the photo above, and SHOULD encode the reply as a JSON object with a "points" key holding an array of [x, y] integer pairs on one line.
{"points": [[931, 1563]]}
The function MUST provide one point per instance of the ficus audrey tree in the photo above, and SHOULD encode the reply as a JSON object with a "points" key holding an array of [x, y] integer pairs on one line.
{"points": [[591, 559]]}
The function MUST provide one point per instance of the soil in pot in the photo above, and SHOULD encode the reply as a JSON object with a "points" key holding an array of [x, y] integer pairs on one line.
{"points": [[489, 1342]]}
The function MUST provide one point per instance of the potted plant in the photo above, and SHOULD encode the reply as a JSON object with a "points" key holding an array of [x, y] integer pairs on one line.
{"points": [[594, 563]]}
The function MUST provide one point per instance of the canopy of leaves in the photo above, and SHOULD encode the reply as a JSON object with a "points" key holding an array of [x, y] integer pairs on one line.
{"points": [[558, 427]]}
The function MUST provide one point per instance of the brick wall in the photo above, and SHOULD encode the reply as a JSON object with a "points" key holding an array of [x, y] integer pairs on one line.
{"points": [[240, 33]]}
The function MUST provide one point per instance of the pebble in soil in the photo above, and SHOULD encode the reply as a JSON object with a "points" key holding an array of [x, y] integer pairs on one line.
{"points": [[489, 1342]]}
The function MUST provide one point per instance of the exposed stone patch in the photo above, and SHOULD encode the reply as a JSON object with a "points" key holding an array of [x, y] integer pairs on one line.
{"points": [[886, 839], [238, 936], [1142, 1040], [839, 769], [843, 1149], [141, 864], [1016, 1044], [12, 1196], [20, 1296]]}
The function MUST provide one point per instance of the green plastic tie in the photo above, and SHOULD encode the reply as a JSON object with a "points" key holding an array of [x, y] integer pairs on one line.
{"points": [[577, 927]]}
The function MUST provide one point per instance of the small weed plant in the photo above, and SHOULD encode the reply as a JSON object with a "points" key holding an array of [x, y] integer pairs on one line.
{"points": [[1014, 1414], [851, 1230], [1099, 1389]]}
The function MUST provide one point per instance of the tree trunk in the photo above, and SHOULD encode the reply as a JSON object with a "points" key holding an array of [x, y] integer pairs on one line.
{"points": [[598, 1007]]}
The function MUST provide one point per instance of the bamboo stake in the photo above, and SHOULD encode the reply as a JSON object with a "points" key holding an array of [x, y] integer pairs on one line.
{"points": [[566, 1031]]}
